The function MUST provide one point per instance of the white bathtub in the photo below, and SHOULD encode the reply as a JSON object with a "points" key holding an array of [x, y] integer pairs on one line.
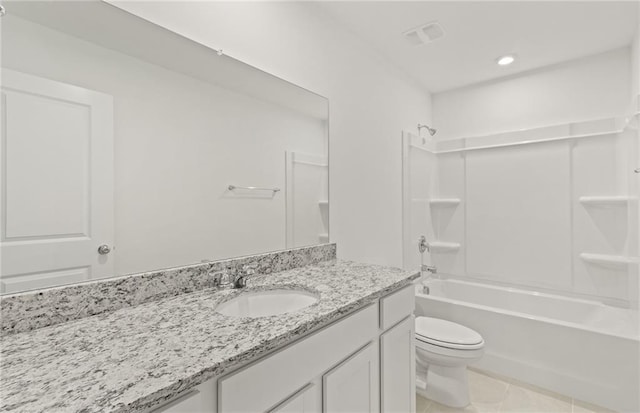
{"points": [[579, 348]]}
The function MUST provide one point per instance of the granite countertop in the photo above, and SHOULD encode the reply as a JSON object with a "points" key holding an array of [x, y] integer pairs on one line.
{"points": [[134, 358]]}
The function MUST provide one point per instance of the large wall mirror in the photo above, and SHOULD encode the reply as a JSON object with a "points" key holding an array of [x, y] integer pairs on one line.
{"points": [[127, 148]]}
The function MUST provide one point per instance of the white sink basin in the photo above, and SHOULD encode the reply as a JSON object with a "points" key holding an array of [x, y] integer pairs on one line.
{"points": [[265, 303]]}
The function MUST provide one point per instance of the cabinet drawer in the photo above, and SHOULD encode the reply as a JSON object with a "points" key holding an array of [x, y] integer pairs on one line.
{"points": [[271, 380], [396, 306]]}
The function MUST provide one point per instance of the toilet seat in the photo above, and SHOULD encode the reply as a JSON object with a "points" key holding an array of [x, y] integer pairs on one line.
{"points": [[443, 333]]}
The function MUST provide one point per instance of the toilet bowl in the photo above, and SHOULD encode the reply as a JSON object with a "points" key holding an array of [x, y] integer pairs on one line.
{"points": [[443, 351]]}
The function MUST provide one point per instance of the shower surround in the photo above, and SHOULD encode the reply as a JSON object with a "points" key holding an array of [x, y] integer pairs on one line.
{"points": [[534, 236]]}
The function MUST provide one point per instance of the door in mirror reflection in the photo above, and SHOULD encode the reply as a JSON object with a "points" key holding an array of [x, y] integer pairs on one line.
{"points": [[58, 183]]}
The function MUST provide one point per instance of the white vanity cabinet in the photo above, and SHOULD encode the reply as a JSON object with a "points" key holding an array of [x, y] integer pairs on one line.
{"points": [[363, 362]]}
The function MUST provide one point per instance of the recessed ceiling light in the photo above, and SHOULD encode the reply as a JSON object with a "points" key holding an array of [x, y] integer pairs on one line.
{"points": [[506, 60]]}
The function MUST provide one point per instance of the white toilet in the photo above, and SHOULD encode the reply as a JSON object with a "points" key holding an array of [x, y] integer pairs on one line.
{"points": [[443, 351]]}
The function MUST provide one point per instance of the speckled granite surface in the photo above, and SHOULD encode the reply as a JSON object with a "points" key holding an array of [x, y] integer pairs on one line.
{"points": [[137, 357], [36, 309]]}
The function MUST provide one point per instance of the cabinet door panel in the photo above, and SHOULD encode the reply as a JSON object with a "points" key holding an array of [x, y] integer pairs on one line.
{"points": [[307, 400], [397, 351], [353, 385]]}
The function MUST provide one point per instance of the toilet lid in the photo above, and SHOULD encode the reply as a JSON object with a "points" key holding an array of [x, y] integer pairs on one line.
{"points": [[445, 333]]}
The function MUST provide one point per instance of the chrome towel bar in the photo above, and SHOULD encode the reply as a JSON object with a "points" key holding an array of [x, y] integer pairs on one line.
{"points": [[253, 188]]}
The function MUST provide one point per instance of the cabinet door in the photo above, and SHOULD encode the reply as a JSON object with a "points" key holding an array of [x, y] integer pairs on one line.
{"points": [[353, 385], [307, 400], [397, 351]]}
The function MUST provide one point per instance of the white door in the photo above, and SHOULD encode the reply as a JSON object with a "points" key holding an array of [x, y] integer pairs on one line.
{"points": [[57, 183], [353, 386], [398, 369]]}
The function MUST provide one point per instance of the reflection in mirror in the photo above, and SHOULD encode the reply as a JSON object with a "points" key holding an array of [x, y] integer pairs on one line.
{"points": [[128, 148]]}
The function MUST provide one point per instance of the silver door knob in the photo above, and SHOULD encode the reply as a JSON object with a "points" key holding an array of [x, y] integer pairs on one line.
{"points": [[637, 170], [104, 249]]}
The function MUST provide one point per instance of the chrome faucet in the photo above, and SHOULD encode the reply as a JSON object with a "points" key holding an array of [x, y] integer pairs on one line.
{"points": [[246, 271], [221, 279], [233, 277]]}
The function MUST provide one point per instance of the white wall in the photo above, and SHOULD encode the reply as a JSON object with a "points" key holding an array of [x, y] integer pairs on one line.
{"points": [[179, 142], [589, 88], [370, 103]]}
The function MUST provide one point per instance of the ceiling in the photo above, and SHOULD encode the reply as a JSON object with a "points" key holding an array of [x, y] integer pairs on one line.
{"points": [[477, 32]]}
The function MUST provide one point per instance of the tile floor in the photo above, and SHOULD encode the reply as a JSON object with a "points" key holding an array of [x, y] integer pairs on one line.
{"points": [[493, 395]]}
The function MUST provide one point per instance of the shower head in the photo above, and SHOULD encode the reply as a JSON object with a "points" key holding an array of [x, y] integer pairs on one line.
{"points": [[431, 131]]}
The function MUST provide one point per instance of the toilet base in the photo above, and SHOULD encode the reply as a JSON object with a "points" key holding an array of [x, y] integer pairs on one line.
{"points": [[445, 385]]}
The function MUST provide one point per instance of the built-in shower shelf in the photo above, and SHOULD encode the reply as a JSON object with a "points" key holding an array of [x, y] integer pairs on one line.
{"points": [[444, 202], [323, 203], [605, 201], [323, 238], [441, 246], [615, 262]]}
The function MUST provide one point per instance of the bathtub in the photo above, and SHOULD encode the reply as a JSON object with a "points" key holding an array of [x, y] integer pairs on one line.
{"points": [[580, 348]]}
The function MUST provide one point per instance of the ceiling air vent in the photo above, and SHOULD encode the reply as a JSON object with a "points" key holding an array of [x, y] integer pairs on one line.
{"points": [[424, 34]]}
